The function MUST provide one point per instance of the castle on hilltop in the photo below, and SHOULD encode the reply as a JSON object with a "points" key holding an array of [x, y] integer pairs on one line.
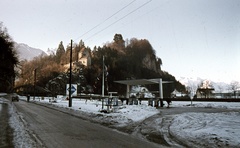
{"points": [[84, 57]]}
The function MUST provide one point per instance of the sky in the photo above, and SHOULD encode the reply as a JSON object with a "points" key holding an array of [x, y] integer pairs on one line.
{"points": [[199, 38]]}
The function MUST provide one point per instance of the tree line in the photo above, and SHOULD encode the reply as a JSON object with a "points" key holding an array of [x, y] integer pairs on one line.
{"points": [[135, 59]]}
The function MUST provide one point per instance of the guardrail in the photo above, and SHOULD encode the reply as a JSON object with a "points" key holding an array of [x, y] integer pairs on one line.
{"points": [[164, 99], [207, 99]]}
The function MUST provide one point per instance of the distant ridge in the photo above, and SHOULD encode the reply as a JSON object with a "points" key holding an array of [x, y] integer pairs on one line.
{"points": [[26, 52]]}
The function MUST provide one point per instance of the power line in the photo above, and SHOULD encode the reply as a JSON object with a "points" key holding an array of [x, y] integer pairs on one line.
{"points": [[139, 17], [106, 19], [120, 19]]}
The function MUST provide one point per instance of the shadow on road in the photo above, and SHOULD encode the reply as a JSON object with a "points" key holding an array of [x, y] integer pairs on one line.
{"points": [[6, 132]]}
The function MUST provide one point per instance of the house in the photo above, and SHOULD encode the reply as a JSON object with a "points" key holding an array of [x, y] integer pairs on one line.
{"points": [[177, 94], [205, 93], [84, 57], [228, 95], [205, 90]]}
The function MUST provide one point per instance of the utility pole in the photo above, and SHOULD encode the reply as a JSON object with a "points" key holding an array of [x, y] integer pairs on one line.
{"points": [[160, 88], [103, 78], [34, 83], [70, 79], [103, 82]]}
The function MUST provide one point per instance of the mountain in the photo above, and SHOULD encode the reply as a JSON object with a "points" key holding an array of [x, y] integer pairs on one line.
{"points": [[193, 83], [26, 52]]}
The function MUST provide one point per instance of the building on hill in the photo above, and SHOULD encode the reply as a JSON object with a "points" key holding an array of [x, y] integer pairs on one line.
{"points": [[84, 57]]}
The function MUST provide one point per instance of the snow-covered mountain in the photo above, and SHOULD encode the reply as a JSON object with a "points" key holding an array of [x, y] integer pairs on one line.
{"points": [[26, 52], [193, 83]]}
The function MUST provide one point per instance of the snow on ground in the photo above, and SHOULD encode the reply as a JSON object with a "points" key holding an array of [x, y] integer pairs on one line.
{"points": [[216, 129], [121, 114], [21, 136], [224, 105], [194, 129]]}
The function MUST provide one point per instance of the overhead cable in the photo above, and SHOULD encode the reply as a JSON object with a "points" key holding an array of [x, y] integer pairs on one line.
{"points": [[106, 19], [120, 19]]}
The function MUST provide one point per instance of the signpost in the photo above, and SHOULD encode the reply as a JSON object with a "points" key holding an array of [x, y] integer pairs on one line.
{"points": [[72, 90]]}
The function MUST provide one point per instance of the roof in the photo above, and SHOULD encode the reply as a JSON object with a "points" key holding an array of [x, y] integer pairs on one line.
{"points": [[201, 89], [141, 81], [175, 92]]}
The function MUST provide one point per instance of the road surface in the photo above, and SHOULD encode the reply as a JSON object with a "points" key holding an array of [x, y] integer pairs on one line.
{"points": [[57, 129]]}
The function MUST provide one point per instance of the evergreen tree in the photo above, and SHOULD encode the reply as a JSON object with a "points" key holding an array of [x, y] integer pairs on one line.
{"points": [[60, 52], [81, 44], [9, 61], [118, 43]]}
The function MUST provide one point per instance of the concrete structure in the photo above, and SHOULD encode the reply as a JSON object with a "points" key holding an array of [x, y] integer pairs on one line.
{"points": [[144, 82]]}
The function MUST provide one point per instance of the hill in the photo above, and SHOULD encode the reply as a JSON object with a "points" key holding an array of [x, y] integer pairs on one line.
{"points": [[134, 60]]}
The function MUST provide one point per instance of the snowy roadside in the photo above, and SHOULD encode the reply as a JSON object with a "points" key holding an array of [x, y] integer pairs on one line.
{"points": [[192, 129], [210, 129], [119, 116], [21, 136]]}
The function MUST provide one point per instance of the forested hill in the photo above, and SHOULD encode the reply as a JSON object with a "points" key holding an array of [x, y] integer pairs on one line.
{"points": [[130, 59]]}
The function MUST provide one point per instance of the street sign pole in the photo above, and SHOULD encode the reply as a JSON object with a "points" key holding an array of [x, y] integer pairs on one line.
{"points": [[34, 85]]}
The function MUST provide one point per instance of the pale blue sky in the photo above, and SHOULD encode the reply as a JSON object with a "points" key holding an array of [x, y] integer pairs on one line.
{"points": [[194, 38]]}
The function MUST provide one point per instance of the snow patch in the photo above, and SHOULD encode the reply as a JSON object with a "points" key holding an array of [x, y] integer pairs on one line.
{"points": [[217, 129]]}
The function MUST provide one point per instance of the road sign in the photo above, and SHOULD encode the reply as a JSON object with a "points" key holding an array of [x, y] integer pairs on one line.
{"points": [[73, 89]]}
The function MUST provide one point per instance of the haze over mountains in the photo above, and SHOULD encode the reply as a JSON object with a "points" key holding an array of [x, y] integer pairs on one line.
{"points": [[26, 52]]}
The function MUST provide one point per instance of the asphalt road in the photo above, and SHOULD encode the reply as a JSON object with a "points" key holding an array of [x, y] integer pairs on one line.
{"points": [[56, 129]]}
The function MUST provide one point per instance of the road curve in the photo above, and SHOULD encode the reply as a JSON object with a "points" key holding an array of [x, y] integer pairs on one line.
{"points": [[58, 129]]}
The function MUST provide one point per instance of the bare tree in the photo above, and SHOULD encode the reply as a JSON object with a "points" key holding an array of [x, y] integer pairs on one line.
{"points": [[234, 86], [192, 89]]}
